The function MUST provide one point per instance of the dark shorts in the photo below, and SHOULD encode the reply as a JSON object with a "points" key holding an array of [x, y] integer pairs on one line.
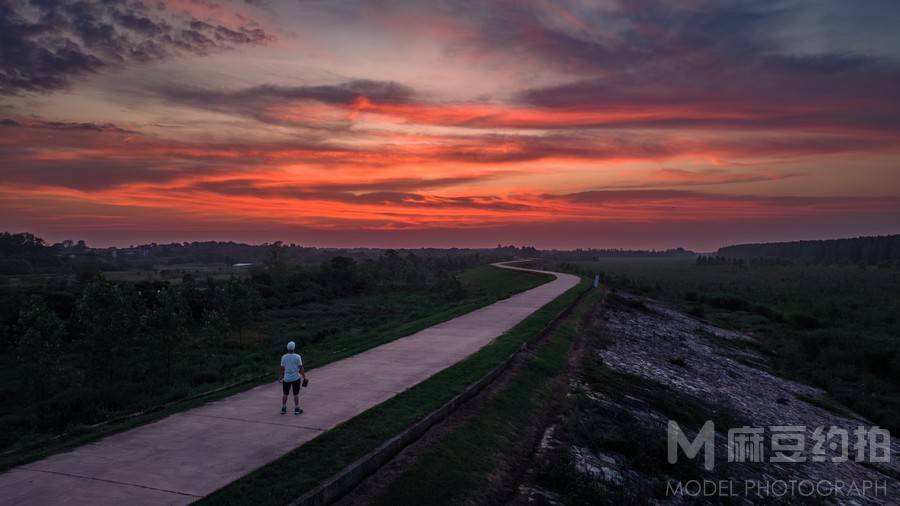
{"points": [[288, 385]]}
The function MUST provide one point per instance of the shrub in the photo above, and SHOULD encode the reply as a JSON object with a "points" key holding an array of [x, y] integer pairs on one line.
{"points": [[206, 377], [729, 302], [804, 321], [768, 312], [679, 361], [14, 266]]}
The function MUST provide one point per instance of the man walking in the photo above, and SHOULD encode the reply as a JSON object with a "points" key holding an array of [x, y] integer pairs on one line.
{"points": [[291, 372]]}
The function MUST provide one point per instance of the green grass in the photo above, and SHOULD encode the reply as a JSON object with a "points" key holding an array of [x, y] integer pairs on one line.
{"points": [[837, 327], [325, 333], [337, 329], [462, 467], [306, 467]]}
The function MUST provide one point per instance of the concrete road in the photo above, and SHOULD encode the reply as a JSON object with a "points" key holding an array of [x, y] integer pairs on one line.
{"points": [[188, 455]]}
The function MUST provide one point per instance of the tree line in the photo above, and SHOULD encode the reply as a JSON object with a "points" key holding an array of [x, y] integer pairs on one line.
{"points": [[25, 253], [873, 250]]}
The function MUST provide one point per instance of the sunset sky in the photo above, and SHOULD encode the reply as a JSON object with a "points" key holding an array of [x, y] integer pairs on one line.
{"points": [[549, 123]]}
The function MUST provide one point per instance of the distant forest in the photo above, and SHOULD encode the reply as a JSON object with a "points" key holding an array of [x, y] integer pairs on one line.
{"points": [[883, 250], [595, 254], [25, 253]]}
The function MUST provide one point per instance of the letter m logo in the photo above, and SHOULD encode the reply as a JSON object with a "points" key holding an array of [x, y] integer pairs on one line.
{"points": [[706, 439]]}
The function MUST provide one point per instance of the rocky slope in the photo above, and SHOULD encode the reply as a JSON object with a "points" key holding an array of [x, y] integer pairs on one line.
{"points": [[645, 364]]}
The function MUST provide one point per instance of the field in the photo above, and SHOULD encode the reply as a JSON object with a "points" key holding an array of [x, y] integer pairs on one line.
{"points": [[326, 329], [837, 327]]}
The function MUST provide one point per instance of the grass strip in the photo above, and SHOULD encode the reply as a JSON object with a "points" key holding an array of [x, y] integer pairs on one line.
{"points": [[464, 466], [304, 468], [506, 283]]}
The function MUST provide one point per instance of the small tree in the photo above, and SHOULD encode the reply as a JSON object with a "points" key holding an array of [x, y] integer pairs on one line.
{"points": [[240, 303], [215, 325], [108, 317], [41, 334], [165, 328], [340, 276]]}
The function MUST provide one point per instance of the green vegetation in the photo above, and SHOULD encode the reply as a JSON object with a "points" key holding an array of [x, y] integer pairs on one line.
{"points": [[468, 464], [79, 353], [837, 327], [354, 324], [874, 250], [279, 482]]}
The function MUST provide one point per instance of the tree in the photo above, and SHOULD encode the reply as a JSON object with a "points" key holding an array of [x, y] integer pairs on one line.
{"points": [[41, 334], [340, 277], [214, 327], [193, 297], [240, 301], [165, 328], [107, 317]]}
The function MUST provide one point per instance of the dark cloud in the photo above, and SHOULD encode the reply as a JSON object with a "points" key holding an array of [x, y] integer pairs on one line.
{"points": [[675, 197], [606, 196], [711, 64], [260, 187], [671, 177], [63, 125], [257, 100], [397, 192], [94, 174], [46, 43]]}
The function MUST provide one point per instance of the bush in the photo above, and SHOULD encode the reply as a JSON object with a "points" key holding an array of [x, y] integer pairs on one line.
{"points": [[678, 361], [78, 403], [14, 266], [729, 303], [768, 312], [804, 321], [812, 345], [206, 377], [11, 425]]}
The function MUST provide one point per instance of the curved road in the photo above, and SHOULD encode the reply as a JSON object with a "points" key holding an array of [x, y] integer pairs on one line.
{"points": [[190, 454]]}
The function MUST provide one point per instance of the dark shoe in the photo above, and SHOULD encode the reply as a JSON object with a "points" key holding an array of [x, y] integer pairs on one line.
{"points": [[297, 411], [283, 409]]}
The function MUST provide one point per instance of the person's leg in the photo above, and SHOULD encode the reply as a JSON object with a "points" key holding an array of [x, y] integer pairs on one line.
{"points": [[296, 386], [285, 387]]}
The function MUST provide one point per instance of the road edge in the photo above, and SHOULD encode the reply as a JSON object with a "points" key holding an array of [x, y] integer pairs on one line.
{"points": [[344, 481]]}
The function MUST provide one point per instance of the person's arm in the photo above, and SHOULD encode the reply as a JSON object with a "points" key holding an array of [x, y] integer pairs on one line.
{"points": [[302, 371], [281, 371]]}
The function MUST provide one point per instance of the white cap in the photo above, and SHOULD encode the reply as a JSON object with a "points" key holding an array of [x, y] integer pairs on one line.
{"points": [[291, 346]]}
